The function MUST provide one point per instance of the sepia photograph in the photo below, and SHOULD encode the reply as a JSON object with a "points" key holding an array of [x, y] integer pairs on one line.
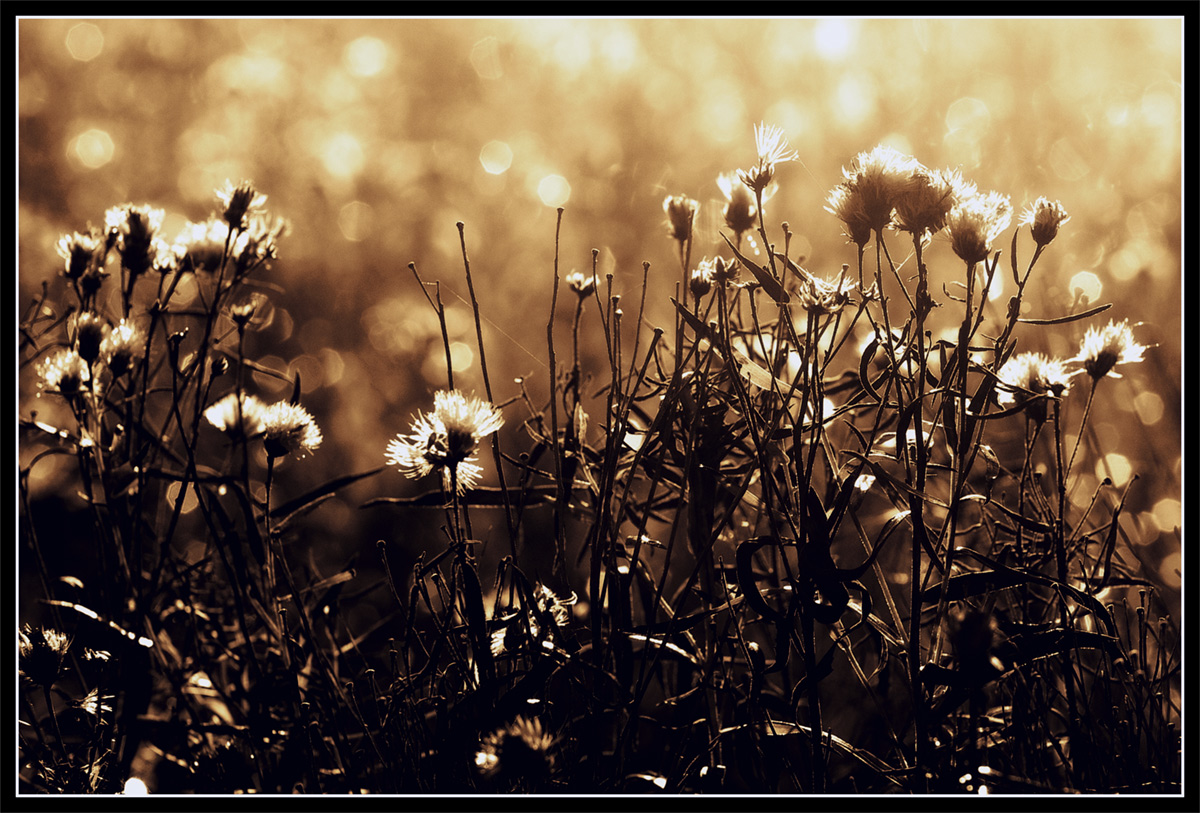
{"points": [[599, 407]]}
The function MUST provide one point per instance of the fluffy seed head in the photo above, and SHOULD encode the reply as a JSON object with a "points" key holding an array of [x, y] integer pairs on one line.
{"points": [[239, 201], [923, 206], [681, 213], [1044, 217], [244, 422], [772, 149], [42, 652], [974, 224], [289, 429], [446, 439], [78, 250], [1028, 376], [1103, 348], [64, 373]]}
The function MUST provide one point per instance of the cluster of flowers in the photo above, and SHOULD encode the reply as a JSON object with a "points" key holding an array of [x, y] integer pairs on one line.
{"points": [[284, 427], [95, 345]]}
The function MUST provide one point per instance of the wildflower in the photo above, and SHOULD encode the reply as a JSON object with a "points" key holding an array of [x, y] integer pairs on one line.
{"points": [[772, 149], [923, 206], [445, 439], [93, 703], [581, 285], [244, 311], [974, 224], [289, 428], [823, 297], [42, 652], [201, 246], [519, 750], [740, 210], [78, 250], [702, 278], [1044, 217], [246, 421], [89, 333], [135, 229], [239, 200], [681, 212], [725, 272], [1027, 377], [258, 242], [121, 346], [873, 185], [64, 373], [1103, 348]]}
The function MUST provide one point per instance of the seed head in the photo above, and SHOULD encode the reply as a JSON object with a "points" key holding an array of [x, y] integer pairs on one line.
{"points": [[90, 330], [65, 373], [870, 191], [135, 229], [974, 224], [740, 211], [289, 429], [821, 296], [246, 422], [78, 250], [583, 286], [446, 439], [923, 206], [1027, 377], [702, 277], [1044, 217], [772, 149], [42, 652], [121, 346], [519, 751], [239, 201], [1103, 348], [681, 213]]}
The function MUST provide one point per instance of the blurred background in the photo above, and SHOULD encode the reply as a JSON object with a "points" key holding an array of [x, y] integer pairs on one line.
{"points": [[374, 137]]}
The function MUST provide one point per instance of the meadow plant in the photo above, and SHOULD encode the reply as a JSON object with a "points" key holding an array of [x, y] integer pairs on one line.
{"points": [[794, 541]]}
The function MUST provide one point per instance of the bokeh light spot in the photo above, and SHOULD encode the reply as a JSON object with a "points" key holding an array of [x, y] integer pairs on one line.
{"points": [[496, 157], [135, 787], [1149, 407], [1086, 286], [968, 119], [1068, 164], [554, 190], [343, 155], [1116, 466], [1168, 513], [854, 101], [485, 58], [461, 356], [189, 500], [356, 220], [94, 148], [1169, 571], [832, 38], [85, 42], [366, 56]]}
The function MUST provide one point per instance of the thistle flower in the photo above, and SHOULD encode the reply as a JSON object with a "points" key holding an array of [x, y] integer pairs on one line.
{"points": [[1044, 217], [121, 346], [583, 286], [725, 272], [873, 185], [740, 210], [135, 229], [446, 439], [517, 751], [821, 296], [1028, 376], [65, 373], [201, 246], [259, 242], [923, 206], [95, 704], [547, 602], [974, 224], [244, 311], [702, 277], [239, 201], [1103, 348], [89, 334], [247, 422], [42, 652], [289, 429], [772, 149], [681, 213], [77, 250]]}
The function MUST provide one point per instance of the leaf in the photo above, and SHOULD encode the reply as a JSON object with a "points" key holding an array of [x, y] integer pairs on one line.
{"points": [[1031, 647], [702, 330], [746, 578], [972, 584], [1074, 317], [320, 492], [769, 284]]}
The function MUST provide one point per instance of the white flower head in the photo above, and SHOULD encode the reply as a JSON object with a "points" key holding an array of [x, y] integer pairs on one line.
{"points": [[1103, 348], [289, 429], [446, 439]]}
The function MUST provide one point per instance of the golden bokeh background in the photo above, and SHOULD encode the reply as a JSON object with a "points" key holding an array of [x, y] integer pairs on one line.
{"points": [[373, 137]]}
